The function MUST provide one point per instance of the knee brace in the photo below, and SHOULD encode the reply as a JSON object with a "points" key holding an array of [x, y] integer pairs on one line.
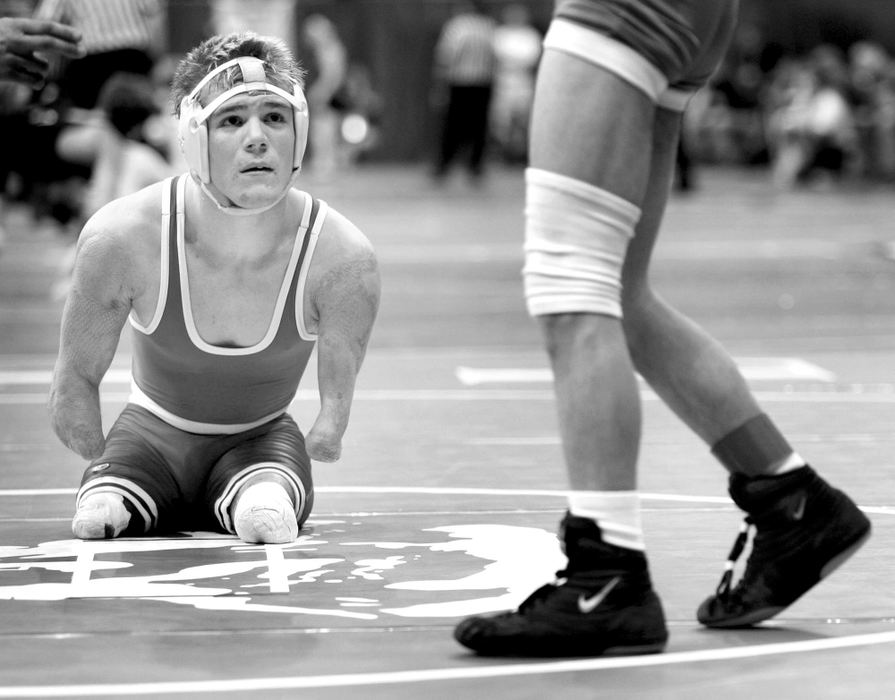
{"points": [[576, 237]]}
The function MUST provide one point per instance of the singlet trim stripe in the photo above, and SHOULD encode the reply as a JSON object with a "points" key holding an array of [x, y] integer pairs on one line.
{"points": [[675, 99], [611, 55], [283, 295], [130, 491], [310, 244], [167, 198], [139, 398]]}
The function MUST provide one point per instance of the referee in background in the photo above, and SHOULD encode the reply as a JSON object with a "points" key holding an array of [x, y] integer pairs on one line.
{"points": [[118, 36], [463, 77]]}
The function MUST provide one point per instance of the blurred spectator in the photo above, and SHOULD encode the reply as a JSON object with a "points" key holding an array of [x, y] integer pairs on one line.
{"points": [[119, 35], [161, 128], [810, 122], [25, 43], [463, 83], [829, 114], [872, 82], [517, 48], [325, 93], [264, 17], [28, 48], [63, 129], [360, 109], [724, 123], [125, 162], [13, 98]]}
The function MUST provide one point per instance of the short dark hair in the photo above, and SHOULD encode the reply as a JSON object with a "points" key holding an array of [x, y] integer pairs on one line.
{"points": [[280, 66]]}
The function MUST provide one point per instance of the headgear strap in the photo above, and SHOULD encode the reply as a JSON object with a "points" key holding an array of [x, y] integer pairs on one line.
{"points": [[194, 130]]}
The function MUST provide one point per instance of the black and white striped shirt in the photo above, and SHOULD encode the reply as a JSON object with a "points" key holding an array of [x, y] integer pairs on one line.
{"points": [[464, 54], [108, 25]]}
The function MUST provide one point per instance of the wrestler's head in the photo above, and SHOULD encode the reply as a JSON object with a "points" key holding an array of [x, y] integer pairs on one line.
{"points": [[243, 119]]}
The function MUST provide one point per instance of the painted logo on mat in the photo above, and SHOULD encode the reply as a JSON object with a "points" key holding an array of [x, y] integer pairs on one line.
{"points": [[355, 569]]}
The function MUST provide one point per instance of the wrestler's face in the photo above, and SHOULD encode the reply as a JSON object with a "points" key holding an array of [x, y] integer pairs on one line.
{"points": [[251, 142]]}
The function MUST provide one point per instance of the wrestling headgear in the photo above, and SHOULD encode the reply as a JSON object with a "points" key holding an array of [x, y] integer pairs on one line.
{"points": [[193, 129]]}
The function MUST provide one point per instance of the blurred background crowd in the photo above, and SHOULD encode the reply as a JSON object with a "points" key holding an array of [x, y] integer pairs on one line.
{"points": [[807, 92], [825, 114]]}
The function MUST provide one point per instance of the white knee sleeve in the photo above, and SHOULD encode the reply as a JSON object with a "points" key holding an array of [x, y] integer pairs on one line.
{"points": [[576, 236]]}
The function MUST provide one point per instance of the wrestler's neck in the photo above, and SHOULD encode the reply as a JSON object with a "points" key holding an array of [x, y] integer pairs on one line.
{"points": [[243, 235]]}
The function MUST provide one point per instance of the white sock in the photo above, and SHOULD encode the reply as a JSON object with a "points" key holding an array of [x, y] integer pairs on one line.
{"points": [[617, 513], [791, 463]]}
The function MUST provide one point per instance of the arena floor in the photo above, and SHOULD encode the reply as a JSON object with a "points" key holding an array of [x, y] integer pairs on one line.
{"points": [[446, 500]]}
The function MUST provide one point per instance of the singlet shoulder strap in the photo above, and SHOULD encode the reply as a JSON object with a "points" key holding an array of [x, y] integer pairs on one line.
{"points": [[168, 195], [312, 225], [167, 236]]}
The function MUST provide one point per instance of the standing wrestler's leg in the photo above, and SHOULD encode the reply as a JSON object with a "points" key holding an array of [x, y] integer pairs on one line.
{"points": [[803, 528], [590, 158], [588, 127], [687, 368]]}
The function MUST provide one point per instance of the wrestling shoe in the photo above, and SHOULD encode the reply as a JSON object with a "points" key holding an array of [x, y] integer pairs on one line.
{"points": [[603, 603], [803, 529], [100, 516], [264, 514]]}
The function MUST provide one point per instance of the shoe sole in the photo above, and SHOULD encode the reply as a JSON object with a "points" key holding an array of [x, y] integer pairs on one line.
{"points": [[545, 650], [557, 645], [639, 650], [757, 616]]}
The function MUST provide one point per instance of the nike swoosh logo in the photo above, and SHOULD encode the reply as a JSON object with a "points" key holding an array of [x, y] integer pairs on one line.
{"points": [[800, 509], [587, 605]]}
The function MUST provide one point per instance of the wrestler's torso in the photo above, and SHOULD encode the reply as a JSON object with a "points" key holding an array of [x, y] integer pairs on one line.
{"points": [[225, 342]]}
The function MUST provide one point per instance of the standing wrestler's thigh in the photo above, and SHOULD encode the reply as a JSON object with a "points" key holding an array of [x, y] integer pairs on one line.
{"points": [[276, 448], [588, 124]]}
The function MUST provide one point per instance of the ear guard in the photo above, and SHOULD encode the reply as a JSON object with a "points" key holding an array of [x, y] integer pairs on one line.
{"points": [[193, 130]]}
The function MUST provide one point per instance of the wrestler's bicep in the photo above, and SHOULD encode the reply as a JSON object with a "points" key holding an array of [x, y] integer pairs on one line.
{"points": [[97, 306]]}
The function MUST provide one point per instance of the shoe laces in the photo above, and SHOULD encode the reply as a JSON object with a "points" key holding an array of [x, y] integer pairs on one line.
{"points": [[736, 551]]}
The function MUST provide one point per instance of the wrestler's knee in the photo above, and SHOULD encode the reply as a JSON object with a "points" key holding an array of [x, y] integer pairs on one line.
{"points": [[576, 238], [111, 506], [299, 490], [266, 502]]}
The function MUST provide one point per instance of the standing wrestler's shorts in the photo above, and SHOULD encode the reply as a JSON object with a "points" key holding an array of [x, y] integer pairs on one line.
{"points": [[683, 39], [174, 480]]}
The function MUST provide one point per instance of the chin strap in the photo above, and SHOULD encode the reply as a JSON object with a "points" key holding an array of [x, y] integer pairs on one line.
{"points": [[236, 210]]}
